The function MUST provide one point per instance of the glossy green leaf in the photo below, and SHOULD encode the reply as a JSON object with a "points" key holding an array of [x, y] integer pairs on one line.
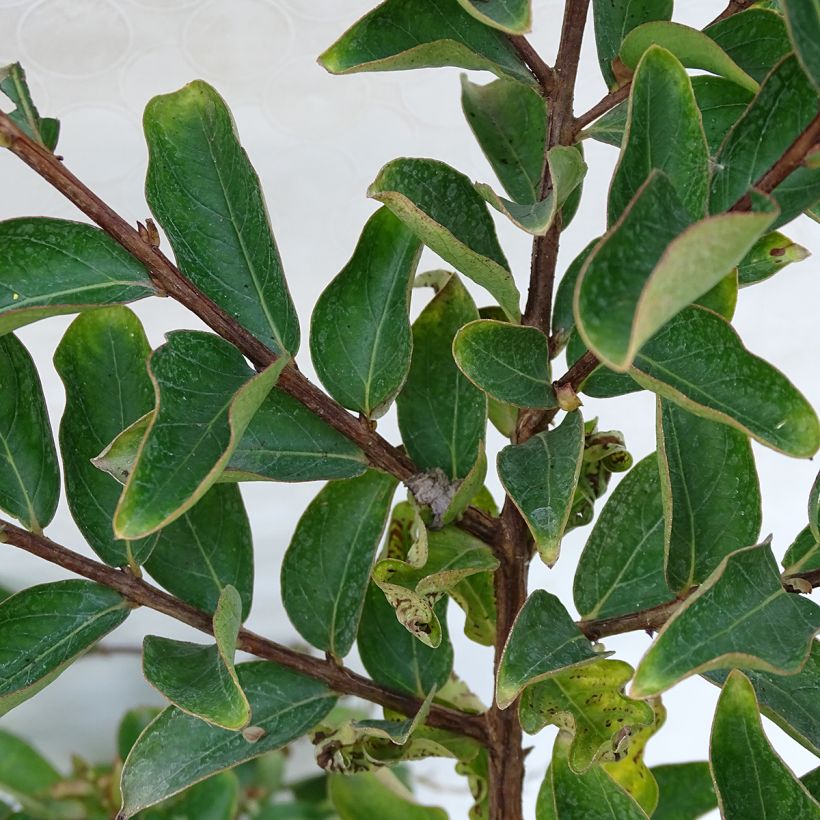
{"points": [[377, 794], [442, 416], [789, 700], [563, 314], [511, 16], [189, 443], [755, 39], [663, 132], [205, 550], [201, 680], [814, 508], [784, 106], [622, 566], [692, 47], [751, 779], [509, 120], [393, 657], [589, 702], [216, 798], [711, 494], [768, 255], [543, 641], [23, 770], [49, 267], [804, 553], [45, 628], [591, 795], [326, 566], [206, 195], [403, 34], [622, 299], [541, 477], [102, 361], [509, 362], [722, 298], [740, 616], [44, 130], [360, 338], [178, 750], [29, 475], [614, 19], [441, 206], [567, 170], [758, 400], [803, 22], [686, 791]]}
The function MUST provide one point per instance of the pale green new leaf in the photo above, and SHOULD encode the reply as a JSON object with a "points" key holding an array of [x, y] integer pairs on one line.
{"points": [[543, 641], [178, 750], [740, 616], [45, 628], [404, 34], [686, 791], [814, 508], [511, 16], [377, 794], [803, 22], [327, 564], [29, 474], [441, 206], [751, 779], [541, 477], [360, 339], [803, 555], [767, 256], [44, 130], [206, 394], [204, 192]]}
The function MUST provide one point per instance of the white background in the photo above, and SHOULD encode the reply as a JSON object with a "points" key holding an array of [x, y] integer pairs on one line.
{"points": [[317, 141]]}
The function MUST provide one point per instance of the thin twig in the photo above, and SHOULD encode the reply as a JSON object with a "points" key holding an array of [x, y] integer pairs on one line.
{"points": [[140, 592], [540, 70]]}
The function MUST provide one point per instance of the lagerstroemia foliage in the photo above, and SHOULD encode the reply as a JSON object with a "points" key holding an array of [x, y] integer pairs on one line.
{"points": [[719, 139]]}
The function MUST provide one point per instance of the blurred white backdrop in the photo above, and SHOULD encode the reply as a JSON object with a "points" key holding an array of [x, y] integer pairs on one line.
{"points": [[317, 142]]}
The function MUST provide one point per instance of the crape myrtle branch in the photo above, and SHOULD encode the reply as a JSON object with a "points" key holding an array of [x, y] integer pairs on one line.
{"points": [[168, 279], [141, 593], [538, 68]]}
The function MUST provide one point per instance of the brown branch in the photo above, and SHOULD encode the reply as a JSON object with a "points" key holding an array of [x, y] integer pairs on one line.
{"points": [[140, 592], [540, 70], [168, 279]]}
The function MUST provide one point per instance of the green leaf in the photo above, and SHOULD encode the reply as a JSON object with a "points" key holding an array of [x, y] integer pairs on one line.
{"points": [[393, 657], [189, 443], [789, 700], [511, 16], [567, 170], [751, 780], [442, 416], [509, 120], [602, 383], [711, 494], [741, 616], [587, 701], [623, 299], [441, 206], [692, 47], [377, 794], [29, 475], [201, 680], [326, 566], [206, 195], [663, 132], [45, 628], [614, 19], [509, 362], [722, 298], [784, 106], [102, 361], [44, 130], [403, 34], [206, 549], [131, 727], [178, 750], [216, 798], [814, 507], [543, 641], [755, 39], [686, 791], [360, 338], [803, 22], [591, 795], [23, 770], [541, 477], [50, 267], [621, 567], [803, 555], [563, 315], [768, 255], [768, 408]]}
